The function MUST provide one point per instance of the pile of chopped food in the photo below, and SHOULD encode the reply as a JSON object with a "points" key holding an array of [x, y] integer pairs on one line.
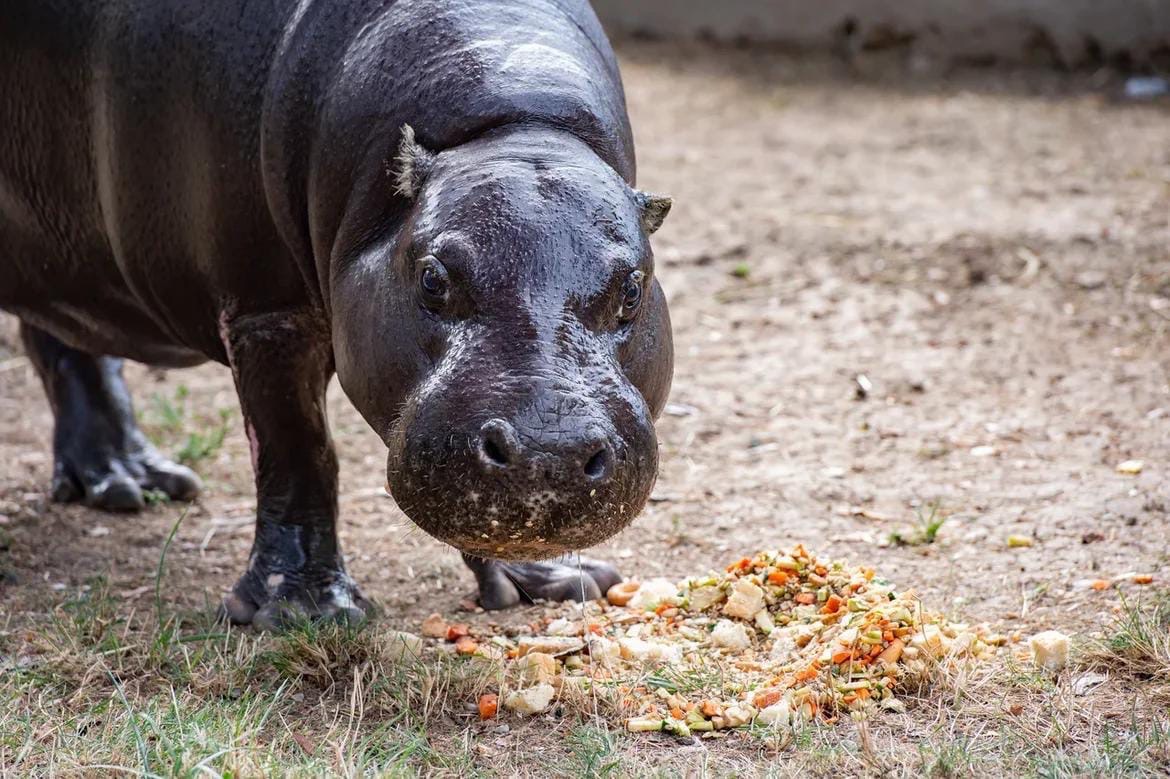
{"points": [[776, 639]]}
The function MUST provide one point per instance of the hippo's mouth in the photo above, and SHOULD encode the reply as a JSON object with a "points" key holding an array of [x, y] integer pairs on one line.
{"points": [[529, 516], [477, 525], [513, 551]]}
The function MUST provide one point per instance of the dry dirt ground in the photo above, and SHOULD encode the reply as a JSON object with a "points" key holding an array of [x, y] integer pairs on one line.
{"points": [[991, 249]]}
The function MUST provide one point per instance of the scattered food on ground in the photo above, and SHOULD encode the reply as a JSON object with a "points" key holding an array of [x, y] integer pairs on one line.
{"points": [[779, 639]]}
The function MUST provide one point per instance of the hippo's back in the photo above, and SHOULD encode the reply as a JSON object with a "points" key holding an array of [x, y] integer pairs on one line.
{"points": [[129, 167], [162, 159]]}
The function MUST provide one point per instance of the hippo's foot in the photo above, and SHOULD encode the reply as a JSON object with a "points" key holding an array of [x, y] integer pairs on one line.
{"points": [[100, 455], [276, 602], [506, 584], [115, 478]]}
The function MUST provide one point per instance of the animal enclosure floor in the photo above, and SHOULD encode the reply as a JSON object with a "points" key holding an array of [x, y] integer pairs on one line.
{"points": [[989, 249]]}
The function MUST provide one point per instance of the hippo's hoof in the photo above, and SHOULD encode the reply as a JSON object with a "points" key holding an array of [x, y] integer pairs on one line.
{"points": [[116, 481], [506, 584], [279, 605]]}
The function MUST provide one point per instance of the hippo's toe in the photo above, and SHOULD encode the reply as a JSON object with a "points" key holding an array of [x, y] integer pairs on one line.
{"points": [[116, 481], [276, 605], [104, 485], [177, 481], [506, 584]]}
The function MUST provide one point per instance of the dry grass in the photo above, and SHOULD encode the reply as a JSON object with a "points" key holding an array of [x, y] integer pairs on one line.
{"points": [[1137, 645], [89, 691]]}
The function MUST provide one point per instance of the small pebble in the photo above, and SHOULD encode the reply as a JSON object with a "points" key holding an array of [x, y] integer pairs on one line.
{"points": [[1130, 467]]}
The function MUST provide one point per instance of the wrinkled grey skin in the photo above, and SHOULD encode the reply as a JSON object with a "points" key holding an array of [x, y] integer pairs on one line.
{"points": [[433, 199]]}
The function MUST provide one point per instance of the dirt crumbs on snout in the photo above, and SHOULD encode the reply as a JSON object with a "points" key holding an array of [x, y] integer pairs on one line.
{"points": [[780, 639]]}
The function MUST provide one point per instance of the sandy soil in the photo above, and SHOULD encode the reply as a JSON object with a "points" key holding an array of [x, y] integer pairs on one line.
{"points": [[990, 249]]}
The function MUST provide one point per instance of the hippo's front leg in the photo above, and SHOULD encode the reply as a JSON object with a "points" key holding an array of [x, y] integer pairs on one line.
{"points": [[282, 364]]}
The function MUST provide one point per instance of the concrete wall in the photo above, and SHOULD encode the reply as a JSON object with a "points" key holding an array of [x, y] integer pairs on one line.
{"points": [[1067, 31]]}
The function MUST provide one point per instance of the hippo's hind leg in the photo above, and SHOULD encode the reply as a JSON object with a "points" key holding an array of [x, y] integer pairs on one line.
{"points": [[100, 455], [504, 584], [282, 364]]}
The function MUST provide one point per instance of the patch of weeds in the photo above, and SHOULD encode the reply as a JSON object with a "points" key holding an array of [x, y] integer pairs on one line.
{"points": [[169, 413], [741, 270], [155, 497], [200, 446], [201, 435], [391, 751], [594, 752], [322, 652], [89, 619], [1137, 643], [1144, 751], [678, 534], [1027, 677], [925, 532], [952, 758]]}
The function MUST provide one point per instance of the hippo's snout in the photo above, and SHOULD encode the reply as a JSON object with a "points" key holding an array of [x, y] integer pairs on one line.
{"points": [[586, 456], [555, 472]]}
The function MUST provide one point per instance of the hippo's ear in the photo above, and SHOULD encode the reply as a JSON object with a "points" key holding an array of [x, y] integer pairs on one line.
{"points": [[411, 165], [654, 210]]}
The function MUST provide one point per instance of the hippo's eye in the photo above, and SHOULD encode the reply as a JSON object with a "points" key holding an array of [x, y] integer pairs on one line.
{"points": [[632, 295], [433, 283]]}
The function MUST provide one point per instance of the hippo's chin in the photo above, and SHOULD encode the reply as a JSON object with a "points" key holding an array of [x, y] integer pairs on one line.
{"points": [[496, 542], [515, 552]]}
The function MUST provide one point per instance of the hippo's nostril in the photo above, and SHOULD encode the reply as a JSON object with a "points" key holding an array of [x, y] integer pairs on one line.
{"points": [[496, 445], [597, 466], [492, 451]]}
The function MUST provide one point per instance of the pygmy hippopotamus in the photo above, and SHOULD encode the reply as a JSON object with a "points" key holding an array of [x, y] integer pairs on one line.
{"points": [[432, 198]]}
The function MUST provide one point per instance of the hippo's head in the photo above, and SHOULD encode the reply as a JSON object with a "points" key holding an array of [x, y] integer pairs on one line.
{"points": [[511, 344]]}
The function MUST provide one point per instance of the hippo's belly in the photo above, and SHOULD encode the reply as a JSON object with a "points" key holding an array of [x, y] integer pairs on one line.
{"points": [[89, 308]]}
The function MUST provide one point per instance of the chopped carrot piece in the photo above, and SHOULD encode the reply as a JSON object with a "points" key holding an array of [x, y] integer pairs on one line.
{"points": [[894, 651], [832, 605], [809, 673], [466, 645], [850, 698], [763, 700], [489, 705], [1143, 578], [778, 577], [842, 657], [863, 693], [677, 713], [1100, 584], [455, 632], [806, 598], [887, 636], [711, 709], [821, 570], [740, 565]]}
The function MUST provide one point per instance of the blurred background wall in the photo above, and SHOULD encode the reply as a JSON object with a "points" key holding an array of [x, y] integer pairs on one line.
{"points": [[1063, 32]]}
